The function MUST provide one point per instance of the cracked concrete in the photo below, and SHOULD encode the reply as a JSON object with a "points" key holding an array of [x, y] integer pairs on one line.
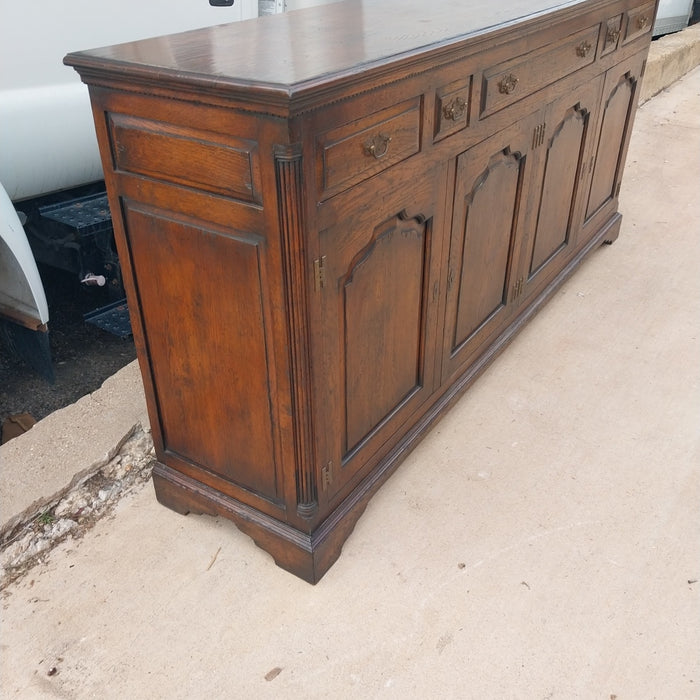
{"points": [[78, 509], [68, 446]]}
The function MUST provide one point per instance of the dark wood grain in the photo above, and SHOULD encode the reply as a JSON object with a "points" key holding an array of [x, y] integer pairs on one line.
{"points": [[331, 221], [306, 46]]}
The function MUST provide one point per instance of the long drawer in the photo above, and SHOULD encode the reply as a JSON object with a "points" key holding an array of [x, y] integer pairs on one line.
{"points": [[513, 80]]}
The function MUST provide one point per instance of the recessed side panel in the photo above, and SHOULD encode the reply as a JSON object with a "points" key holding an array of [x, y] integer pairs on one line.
{"points": [[200, 292]]}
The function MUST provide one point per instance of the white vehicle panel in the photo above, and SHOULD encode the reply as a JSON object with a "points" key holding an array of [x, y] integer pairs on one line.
{"points": [[47, 137]]}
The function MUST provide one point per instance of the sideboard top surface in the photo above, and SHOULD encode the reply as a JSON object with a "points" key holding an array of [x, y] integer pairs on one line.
{"points": [[303, 50]]}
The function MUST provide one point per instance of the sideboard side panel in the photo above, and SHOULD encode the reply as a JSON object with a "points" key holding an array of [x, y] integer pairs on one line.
{"points": [[207, 348], [200, 254]]}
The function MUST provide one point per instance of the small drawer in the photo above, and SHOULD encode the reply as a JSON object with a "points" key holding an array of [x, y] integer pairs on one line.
{"points": [[202, 160], [639, 22], [452, 105], [509, 82], [355, 151], [611, 31]]}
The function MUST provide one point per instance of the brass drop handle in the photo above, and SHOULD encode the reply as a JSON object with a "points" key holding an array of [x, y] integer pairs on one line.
{"points": [[507, 84], [583, 49], [643, 21], [612, 36], [455, 110], [378, 145]]}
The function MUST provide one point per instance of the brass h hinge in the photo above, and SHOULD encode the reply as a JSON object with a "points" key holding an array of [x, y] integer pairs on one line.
{"points": [[518, 288], [327, 475], [320, 273], [538, 135]]}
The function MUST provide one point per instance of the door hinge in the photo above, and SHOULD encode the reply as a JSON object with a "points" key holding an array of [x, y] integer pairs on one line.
{"points": [[327, 475], [538, 135], [518, 288], [320, 273]]}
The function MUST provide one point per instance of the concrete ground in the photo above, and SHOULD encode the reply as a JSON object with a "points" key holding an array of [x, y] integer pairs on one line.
{"points": [[541, 542]]}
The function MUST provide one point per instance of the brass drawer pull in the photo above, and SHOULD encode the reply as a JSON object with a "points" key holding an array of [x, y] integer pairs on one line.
{"points": [[583, 49], [643, 21], [507, 84], [455, 110], [378, 146], [612, 36]]}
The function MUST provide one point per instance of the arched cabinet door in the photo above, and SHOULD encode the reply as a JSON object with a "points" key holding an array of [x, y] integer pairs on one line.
{"points": [[561, 150], [490, 209], [614, 128], [376, 295]]}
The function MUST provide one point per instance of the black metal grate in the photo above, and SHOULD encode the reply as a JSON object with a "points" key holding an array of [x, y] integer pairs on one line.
{"points": [[113, 318], [84, 215]]}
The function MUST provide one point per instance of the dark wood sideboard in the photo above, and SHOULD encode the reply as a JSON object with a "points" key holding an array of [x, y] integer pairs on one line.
{"points": [[331, 220]]}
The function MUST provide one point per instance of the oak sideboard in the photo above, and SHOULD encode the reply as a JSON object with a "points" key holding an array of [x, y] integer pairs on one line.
{"points": [[331, 220]]}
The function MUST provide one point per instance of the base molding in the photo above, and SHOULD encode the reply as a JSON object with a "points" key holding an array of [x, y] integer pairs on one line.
{"points": [[308, 556]]}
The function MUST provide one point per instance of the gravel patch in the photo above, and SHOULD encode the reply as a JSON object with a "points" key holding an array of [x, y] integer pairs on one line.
{"points": [[30, 542]]}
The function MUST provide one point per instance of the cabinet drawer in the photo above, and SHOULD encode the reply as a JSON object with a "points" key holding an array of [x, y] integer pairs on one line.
{"points": [[452, 105], [639, 21], [355, 151], [611, 31], [509, 82]]}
